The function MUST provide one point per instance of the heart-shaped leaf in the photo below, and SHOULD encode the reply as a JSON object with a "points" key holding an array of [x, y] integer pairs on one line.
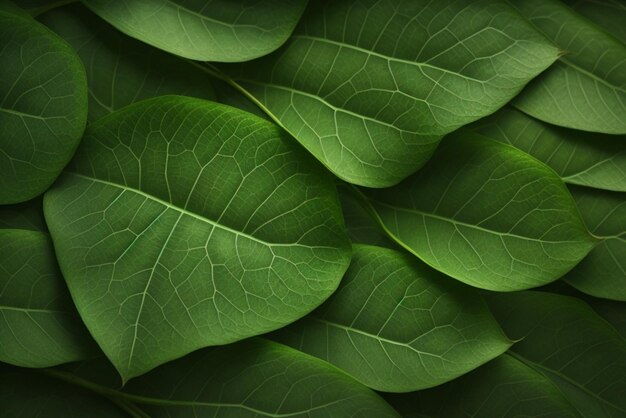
{"points": [[487, 214], [121, 70], [43, 105], [396, 325], [586, 88], [583, 158], [182, 223], [205, 30], [566, 341], [39, 326], [603, 272], [370, 87]]}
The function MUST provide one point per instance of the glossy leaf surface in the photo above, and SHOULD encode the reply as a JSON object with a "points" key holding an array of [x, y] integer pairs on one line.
{"points": [[370, 87], [566, 341], [586, 88], [39, 325], [583, 158], [205, 30], [504, 387], [183, 223], [43, 106], [487, 214], [120, 69], [397, 325], [603, 272]]}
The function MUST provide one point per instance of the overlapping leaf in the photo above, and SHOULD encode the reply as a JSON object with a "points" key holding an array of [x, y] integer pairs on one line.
{"points": [[586, 88], [121, 70], [39, 326], [583, 158], [397, 325], [369, 87], [253, 378], [24, 394], [43, 105], [205, 30], [487, 214], [566, 341], [603, 272], [183, 223], [505, 387], [610, 15]]}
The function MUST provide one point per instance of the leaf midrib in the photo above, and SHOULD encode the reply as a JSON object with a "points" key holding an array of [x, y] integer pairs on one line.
{"points": [[465, 224], [169, 205]]}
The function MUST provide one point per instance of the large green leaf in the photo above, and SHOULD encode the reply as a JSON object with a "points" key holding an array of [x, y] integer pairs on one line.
{"points": [[503, 388], [26, 395], [182, 223], [586, 88], [205, 30], [43, 106], [603, 272], [39, 326], [397, 325], [583, 158], [608, 14], [121, 70], [487, 214], [566, 341], [369, 87], [253, 378]]}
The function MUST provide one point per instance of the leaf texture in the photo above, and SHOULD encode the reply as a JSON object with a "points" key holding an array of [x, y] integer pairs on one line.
{"points": [[252, 378], [121, 70], [603, 272], [183, 223], [43, 106], [39, 326], [582, 158], [369, 87], [566, 341], [610, 15], [205, 30], [486, 214], [586, 88], [396, 325], [504, 387]]}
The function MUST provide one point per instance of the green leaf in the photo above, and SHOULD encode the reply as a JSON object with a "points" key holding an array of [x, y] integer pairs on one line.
{"points": [[43, 106], [24, 394], [613, 312], [586, 88], [213, 30], [253, 378], [603, 272], [182, 223], [487, 214], [370, 87], [566, 341], [361, 225], [121, 70], [39, 326], [504, 387], [610, 15], [396, 325], [583, 158]]}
